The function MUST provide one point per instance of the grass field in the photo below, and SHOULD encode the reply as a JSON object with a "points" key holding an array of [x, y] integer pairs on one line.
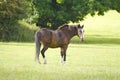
{"points": [[98, 58], [84, 62]]}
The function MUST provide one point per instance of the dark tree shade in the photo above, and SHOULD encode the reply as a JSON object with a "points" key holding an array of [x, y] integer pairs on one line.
{"points": [[10, 12], [53, 13]]}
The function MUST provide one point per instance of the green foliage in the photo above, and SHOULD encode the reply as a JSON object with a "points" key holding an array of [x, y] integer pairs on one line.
{"points": [[53, 13], [10, 12], [25, 32], [115, 5]]}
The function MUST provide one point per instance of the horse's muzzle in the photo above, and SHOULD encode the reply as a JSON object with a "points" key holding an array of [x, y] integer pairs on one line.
{"points": [[82, 39]]}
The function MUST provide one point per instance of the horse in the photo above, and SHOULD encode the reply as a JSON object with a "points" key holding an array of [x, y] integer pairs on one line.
{"points": [[59, 38]]}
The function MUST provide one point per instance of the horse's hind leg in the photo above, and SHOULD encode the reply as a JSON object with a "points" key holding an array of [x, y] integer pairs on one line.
{"points": [[43, 54]]}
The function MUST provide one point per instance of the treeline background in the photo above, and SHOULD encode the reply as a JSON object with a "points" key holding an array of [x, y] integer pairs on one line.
{"points": [[18, 18]]}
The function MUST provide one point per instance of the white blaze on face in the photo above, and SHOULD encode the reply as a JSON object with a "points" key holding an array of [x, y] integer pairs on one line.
{"points": [[81, 34]]}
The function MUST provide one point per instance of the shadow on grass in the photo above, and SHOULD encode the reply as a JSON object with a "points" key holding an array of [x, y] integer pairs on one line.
{"points": [[95, 40], [103, 41]]}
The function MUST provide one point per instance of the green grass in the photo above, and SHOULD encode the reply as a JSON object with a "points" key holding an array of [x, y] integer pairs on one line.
{"points": [[84, 62], [97, 58]]}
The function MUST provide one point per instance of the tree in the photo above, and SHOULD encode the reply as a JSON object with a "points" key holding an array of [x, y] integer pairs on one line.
{"points": [[10, 12], [53, 13]]}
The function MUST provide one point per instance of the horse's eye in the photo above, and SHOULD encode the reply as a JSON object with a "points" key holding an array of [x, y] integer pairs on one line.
{"points": [[80, 31]]}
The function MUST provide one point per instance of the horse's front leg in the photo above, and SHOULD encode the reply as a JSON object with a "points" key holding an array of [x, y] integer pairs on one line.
{"points": [[43, 54], [63, 55], [62, 52], [64, 58]]}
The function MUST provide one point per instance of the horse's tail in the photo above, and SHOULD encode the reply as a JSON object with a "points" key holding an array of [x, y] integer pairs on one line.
{"points": [[38, 45]]}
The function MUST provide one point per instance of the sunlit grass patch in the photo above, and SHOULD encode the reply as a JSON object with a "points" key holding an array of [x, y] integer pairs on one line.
{"points": [[84, 61]]}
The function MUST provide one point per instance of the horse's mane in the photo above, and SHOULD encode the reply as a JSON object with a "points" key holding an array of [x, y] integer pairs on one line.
{"points": [[63, 26]]}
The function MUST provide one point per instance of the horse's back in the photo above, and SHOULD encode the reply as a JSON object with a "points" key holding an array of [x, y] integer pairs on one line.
{"points": [[52, 38], [45, 35]]}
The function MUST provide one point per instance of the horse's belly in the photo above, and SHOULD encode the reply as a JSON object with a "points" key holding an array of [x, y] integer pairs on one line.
{"points": [[58, 40], [54, 45]]}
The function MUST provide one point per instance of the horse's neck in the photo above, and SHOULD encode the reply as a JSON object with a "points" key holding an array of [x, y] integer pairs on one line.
{"points": [[72, 34], [69, 34]]}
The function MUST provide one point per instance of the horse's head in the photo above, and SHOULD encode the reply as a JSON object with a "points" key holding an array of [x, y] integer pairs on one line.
{"points": [[80, 32]]}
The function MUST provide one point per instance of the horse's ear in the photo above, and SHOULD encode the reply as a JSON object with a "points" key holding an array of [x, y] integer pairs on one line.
{"points": [[79, 26], [82, 26]]}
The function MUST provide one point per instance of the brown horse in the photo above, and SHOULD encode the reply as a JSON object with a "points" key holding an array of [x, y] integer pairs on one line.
{"points": [[58, 38]]}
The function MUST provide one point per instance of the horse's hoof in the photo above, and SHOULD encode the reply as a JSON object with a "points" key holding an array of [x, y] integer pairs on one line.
{"points": [[45, 62], [64, 62], [39, 62]]}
